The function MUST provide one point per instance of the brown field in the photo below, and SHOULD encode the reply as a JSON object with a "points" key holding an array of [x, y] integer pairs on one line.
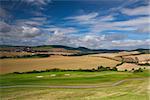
{"points": [[142, 57], [28, 64], [12, 54], [115, 54], [129, 66]]}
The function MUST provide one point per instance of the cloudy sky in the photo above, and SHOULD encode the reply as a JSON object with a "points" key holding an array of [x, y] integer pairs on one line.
{"points": [[103, 24]]}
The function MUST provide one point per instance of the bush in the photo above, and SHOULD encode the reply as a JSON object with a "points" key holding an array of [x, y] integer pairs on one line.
{"points": [[114, 69], [101, 68], [138, 70], [17, 72]]}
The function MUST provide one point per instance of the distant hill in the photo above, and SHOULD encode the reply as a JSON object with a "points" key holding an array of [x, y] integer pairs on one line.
{"points": [[141, 50], [61, 48]]}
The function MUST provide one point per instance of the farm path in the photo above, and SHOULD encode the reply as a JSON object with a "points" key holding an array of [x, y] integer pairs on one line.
{"points": [[70, 86]]}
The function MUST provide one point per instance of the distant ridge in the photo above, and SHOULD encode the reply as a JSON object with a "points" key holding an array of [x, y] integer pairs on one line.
{"points": [[81, 49]]}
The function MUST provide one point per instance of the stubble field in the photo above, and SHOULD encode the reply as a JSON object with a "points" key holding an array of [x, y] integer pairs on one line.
{"points": [[61, 62]]}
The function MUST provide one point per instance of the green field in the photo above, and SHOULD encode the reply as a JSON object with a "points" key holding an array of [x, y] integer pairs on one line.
{"points": [[69, 85]]}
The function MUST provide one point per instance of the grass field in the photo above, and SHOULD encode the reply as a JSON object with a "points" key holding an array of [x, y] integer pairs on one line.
{"points": [[112, 86], [84, 62]]}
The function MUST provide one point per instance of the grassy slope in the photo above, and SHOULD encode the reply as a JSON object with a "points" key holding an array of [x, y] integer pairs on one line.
{"points": [[130, 90]]}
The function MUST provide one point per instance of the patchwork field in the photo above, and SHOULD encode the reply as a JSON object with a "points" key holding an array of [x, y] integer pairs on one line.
{"points": [[61, 62], [142, 57], [106, 85], [115, 54]]}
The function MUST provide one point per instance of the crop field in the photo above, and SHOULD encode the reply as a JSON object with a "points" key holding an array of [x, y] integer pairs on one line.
{"points": [[61, 62], [142, 57], [69, 85], [115, 54], [12, 54], [130, 56], [130, 66]]}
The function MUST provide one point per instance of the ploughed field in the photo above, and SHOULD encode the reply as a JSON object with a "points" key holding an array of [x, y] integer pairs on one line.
{"points": [[75, 85], [61, 62]]}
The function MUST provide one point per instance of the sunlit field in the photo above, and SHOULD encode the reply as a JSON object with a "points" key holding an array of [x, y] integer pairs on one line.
{"points": [[61, 62], [106, 85]]}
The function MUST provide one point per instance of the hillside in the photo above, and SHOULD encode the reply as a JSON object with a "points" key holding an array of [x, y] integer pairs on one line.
{"points": [[53, 48], [61, 48]]}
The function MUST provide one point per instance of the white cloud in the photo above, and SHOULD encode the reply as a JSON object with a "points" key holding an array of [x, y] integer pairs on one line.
{"points": [[131, 43], [18, 31], [38, 2], [142, 10], [85, 17], [61, 30], [102, 23], [35, 21], [30, 31]]}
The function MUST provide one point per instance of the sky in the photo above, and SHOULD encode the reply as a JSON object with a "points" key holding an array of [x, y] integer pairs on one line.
{"points": [[95, 24]]}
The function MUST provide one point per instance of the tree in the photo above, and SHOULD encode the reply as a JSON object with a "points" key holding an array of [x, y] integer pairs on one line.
{"points": [[132, 69], [114, 69]]}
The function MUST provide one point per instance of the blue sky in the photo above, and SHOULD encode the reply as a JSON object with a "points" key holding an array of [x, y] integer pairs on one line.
{"points": [[97, 24]]}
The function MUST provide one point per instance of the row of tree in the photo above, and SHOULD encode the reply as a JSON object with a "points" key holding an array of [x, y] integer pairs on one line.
{"points": [[98, 69]]}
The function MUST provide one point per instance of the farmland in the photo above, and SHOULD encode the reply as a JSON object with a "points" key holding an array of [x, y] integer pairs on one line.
{"points": [[132, 60], [13, 54], [34, 77], [72, 62], [61, 62], [115, 54]]}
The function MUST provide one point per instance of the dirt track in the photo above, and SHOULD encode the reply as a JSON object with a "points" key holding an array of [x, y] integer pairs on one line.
{"points": [[70, 87]]}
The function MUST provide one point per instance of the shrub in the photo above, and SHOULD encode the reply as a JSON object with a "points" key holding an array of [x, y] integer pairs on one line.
{"points": [[101, 68], [138, 70], [17, 72], [114, 69]]}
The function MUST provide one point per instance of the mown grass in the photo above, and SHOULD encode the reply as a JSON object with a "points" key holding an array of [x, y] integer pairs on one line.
{"points": [[129, 90], [73, 78]]}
